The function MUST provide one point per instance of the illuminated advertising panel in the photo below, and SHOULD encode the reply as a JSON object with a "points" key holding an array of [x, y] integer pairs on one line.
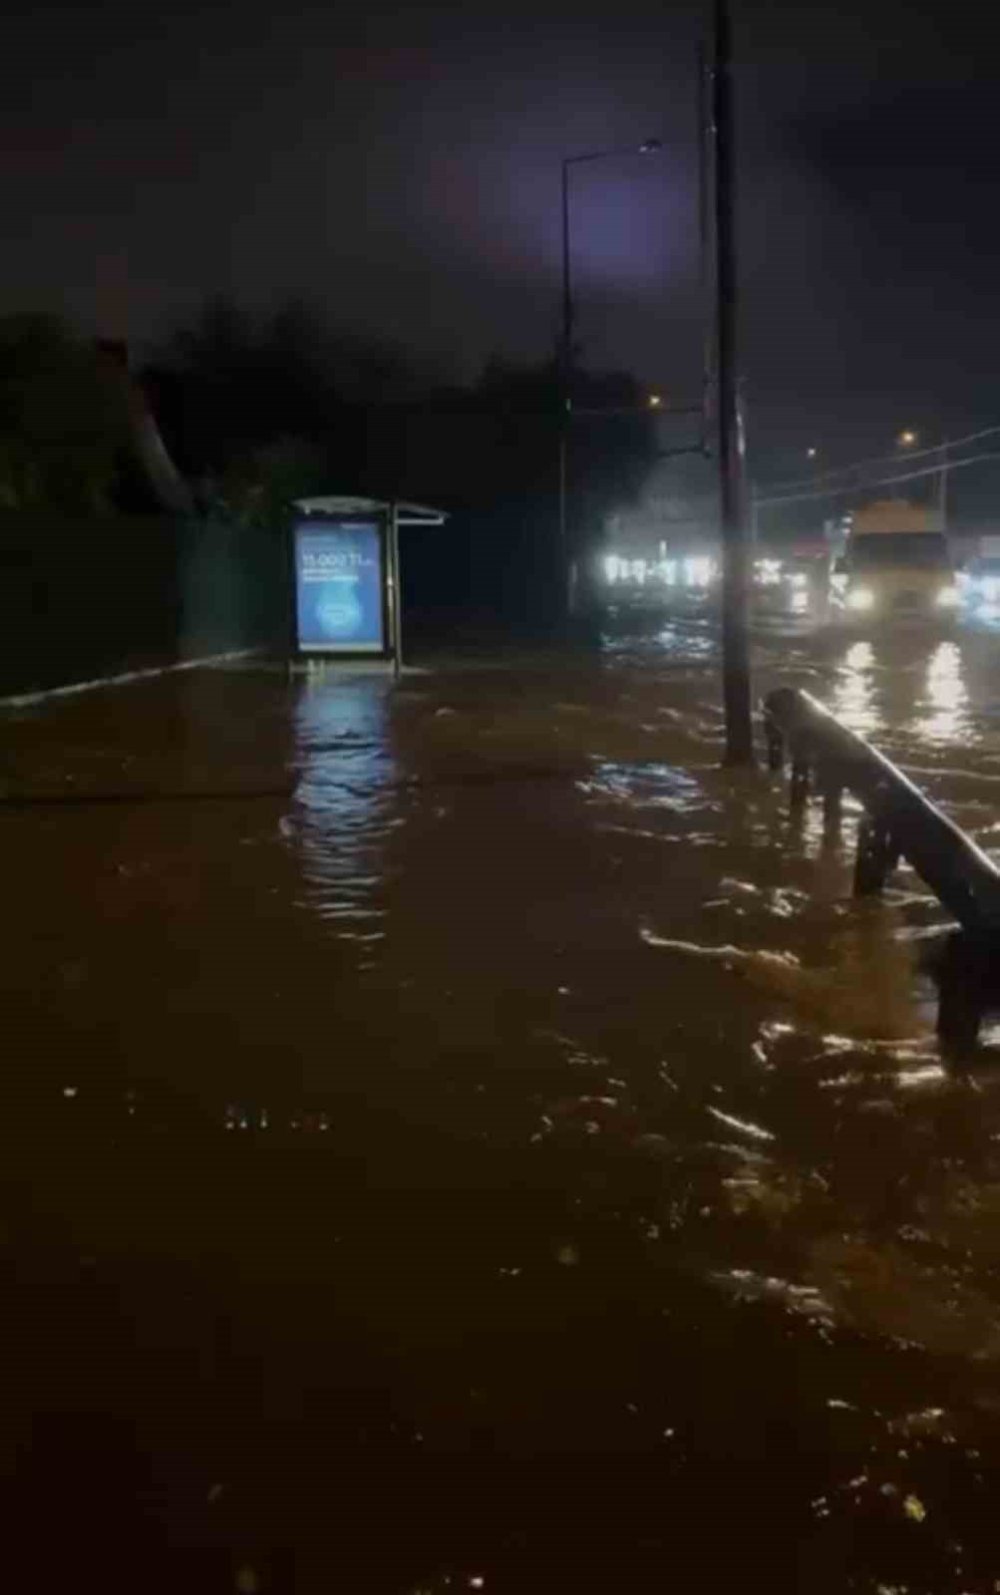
{"points": [[340, 585]]}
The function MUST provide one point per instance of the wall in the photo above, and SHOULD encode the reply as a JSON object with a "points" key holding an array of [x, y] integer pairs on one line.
{"points": [[83, 598]]}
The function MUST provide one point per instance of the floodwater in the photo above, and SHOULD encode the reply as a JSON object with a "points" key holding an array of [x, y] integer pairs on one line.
{"points": [[458, 1137]]}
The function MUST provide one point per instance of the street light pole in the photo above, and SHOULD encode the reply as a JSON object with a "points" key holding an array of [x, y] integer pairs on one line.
{"points": [[649, 146], [943, 487], [732, 484]]}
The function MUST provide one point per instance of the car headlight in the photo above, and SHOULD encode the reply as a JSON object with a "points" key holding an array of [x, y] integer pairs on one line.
{"points": [[767, 572], [861, 598], [948, 597]]}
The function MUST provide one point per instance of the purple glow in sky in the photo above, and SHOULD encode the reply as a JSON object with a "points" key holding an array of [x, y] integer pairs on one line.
{"points": [[401, 166]]}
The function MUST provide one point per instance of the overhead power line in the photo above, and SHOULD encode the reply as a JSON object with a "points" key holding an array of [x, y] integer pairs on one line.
{"points": [[884, 481], [884, 459]]}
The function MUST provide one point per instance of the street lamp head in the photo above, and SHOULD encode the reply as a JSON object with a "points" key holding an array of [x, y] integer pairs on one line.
{"points": [[648, 146], [655, 401], [907, 439], [811, 453]]}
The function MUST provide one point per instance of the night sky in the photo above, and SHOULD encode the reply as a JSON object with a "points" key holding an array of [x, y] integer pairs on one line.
{"points": [[401, 165]]}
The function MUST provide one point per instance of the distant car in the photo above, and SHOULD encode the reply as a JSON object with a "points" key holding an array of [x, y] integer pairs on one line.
{"points": [[981, 582], [793, 587]]}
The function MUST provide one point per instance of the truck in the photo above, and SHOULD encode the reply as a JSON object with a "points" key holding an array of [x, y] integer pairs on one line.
{"points": [[897, 565]]}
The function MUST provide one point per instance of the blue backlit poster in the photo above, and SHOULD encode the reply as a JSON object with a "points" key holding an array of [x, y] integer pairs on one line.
{"points": [[339, 586]]}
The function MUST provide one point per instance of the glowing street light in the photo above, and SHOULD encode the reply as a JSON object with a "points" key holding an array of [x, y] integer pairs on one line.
{"points": [[655, 401], [811, 453], [907, 439]]}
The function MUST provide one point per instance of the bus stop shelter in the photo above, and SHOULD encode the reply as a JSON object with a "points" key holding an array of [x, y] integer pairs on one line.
{"points": [[345, 576]]}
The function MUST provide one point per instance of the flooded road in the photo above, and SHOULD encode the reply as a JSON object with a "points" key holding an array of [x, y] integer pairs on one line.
{"points": [[458, 1137]]}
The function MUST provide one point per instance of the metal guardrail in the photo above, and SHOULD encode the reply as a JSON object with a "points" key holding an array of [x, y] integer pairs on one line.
{"points": [[899, 821]]}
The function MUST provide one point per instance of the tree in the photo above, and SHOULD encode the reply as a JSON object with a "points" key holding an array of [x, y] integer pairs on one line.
{"points": [[63, 423], [613, 449], [259, 488], [490, 454], [235, 384]]}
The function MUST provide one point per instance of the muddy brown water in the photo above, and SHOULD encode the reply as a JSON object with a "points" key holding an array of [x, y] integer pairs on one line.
{"points": [[458, 1137]]}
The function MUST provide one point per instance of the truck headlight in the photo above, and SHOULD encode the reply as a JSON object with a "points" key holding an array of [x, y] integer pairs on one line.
{"points": [[861, 598]]}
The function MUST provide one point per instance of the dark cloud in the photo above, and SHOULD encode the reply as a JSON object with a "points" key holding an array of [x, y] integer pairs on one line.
{"points": [[401, 165]]}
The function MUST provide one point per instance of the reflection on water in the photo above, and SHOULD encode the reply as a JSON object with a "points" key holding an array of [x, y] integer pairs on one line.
{"points": [[853, 700], [911, 689], [688, 643], [943, 710], [342, 800], [629, 1082], [654, 786], [865, 982]]}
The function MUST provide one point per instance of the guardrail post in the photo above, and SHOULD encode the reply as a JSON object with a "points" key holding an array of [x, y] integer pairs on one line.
{"points": [[833, 803], [876, 856], [775, 745], [963, 980], [800, 783]]}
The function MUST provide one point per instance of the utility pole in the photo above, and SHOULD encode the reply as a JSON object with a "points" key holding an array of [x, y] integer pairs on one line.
{"points": [[943, 487], [735, 560], [566, 387]]}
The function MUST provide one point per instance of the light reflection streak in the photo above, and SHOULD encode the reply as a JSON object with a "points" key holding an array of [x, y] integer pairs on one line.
{"points": [[853, 699], [946, 700], [929, 1074], [342, 802], [754, 1130], [748, 1285]]}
